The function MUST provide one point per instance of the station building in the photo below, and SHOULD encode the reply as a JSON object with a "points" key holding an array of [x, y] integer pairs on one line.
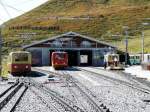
{"points": [[82, 50]]}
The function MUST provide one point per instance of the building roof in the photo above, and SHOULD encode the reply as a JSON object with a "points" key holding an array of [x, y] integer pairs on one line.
{"points": [[71, 34]]}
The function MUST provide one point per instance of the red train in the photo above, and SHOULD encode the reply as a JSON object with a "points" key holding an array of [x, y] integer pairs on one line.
{"points": [[59, 59], [19, 63]]}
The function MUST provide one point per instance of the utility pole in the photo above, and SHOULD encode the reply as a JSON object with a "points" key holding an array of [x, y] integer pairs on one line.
{"points": [[126, 43], [142, 46], [142, 36]]}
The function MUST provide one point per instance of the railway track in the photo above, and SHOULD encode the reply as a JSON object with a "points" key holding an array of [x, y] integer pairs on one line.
{"points": [[7, 90], [115, 80], [72, 93], [49, 103], [10, 95], [67, 104], [86, 93], [137, 80], [141, 83], [67, 84]]}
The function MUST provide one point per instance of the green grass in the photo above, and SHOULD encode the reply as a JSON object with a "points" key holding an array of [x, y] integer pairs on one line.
{"points": [[4, 68], [135, 43]]}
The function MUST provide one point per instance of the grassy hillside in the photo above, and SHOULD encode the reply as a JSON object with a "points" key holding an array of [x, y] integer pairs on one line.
{"points": [[97, 18]]}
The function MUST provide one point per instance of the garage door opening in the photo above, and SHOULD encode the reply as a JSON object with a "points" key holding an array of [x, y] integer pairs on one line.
{"points": [[72, 58]]}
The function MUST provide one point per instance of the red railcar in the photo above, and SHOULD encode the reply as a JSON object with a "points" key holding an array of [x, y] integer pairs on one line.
{"points": [[59, 59]]}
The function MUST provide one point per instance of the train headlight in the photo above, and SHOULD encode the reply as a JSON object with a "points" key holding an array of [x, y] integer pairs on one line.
{"points": [[27, 66], [15, 66]]}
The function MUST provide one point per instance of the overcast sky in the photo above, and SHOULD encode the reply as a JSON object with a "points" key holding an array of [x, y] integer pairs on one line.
{"points": [[12, 8]]}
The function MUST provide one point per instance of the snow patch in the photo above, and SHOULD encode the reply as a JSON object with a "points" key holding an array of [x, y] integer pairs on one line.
{"points": [[138, 72]]}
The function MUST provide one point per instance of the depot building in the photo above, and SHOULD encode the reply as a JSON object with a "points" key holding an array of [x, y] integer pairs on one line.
{"points": [[82, 50]]}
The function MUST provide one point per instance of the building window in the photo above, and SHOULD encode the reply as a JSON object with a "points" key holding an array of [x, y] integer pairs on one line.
{"points": [[71, 44], [56, 44], [86, 44]]}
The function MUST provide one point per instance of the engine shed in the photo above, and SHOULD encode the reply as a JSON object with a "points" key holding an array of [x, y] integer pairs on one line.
{"points": [[82, 50]]}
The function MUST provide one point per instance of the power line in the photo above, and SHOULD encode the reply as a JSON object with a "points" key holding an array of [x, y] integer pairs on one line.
{"points": [[5, 9], [14, 8], [24, 2]]}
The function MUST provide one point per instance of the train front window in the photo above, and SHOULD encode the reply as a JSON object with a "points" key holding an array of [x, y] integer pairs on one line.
{"points": [[137, 57], [60, 56], [131, 57], [115, 58], [21, 57]]}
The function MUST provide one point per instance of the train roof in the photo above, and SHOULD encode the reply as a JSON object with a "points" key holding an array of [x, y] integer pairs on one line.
{"points": [[112, 54], [59, 52], [131, 55], [134, 54], [146, 54], [18, 52]]}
